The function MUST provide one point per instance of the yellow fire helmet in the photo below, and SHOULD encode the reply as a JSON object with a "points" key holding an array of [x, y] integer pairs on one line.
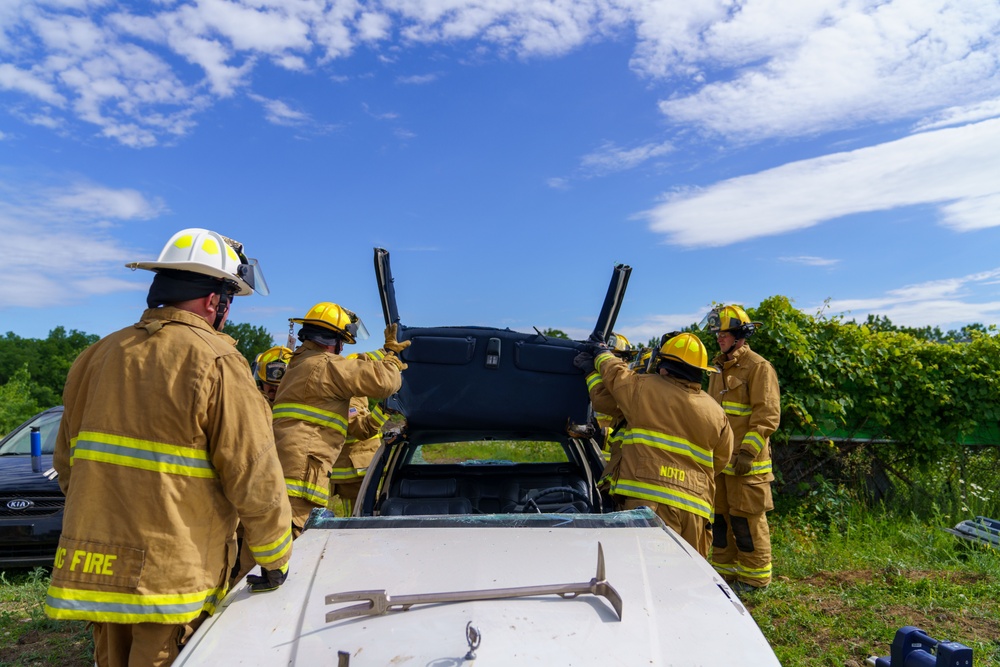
{"points": [[335, 318], [687, 349], [730, 318], [642, 360], [620, 346], [271, 364], [211, 254]]}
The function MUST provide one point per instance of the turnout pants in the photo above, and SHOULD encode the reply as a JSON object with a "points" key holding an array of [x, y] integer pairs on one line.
{"points": [[741, 543], [695, 530], [140, 644]]}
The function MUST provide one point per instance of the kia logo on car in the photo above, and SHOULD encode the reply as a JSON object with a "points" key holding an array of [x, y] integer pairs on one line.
{"points": [[19, 504]]}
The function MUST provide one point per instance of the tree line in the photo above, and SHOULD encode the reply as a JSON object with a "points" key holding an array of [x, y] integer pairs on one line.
{"points": [[928, 389], [33, 370]]}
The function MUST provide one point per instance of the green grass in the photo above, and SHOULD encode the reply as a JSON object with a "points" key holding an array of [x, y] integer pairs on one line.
{"points": [[27, 636], [841, 589]]}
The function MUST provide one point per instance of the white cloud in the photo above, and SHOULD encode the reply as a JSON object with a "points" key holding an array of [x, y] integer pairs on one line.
{"points": [[747, 70], [947, 302], [798, 68], [56, 243], [417, 79], [956, 168], [809, 260], [279, 113], [609, 158]]}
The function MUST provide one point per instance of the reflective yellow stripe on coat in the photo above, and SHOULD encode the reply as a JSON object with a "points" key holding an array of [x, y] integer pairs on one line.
{"points": [[665, 496], [670, 443], [311, 492], [74, 604], [268, 553], [143, 454], [308, 413]]}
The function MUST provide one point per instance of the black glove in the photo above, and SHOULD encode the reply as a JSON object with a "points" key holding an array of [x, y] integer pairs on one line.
{"points": [[267, 580], [584, 361]]}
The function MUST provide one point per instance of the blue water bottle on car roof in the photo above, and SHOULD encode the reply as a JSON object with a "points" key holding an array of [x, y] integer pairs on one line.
{"points": [[36, 449]]}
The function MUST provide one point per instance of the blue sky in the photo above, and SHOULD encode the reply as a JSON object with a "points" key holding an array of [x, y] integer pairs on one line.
{"points": [[845, 154]]}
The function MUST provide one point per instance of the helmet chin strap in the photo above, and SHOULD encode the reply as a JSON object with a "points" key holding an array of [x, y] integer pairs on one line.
{"points": [[221, 309]]}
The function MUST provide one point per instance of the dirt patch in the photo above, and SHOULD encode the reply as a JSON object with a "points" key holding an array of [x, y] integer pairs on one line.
{"points": [[850, 578]]}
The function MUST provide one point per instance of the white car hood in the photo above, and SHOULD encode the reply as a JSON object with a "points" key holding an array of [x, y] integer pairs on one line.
{"points": [[675, 609]]}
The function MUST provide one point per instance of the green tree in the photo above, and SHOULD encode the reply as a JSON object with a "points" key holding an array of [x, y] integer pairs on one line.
{"points": [[48, 361], [251, 340], [16, 403], [554, 333]]}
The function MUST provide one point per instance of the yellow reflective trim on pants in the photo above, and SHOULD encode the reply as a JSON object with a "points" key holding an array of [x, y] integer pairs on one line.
{"points": [[311, 414], [725, 569], [268, 553], [737, 409], [754, 439], [142, 454], [103, 607], [754, 572], [669, 443], [664, 496], [311, 492]]}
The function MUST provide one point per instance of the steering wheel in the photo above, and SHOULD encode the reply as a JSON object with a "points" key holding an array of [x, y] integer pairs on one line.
{"points": [[532, 502]]}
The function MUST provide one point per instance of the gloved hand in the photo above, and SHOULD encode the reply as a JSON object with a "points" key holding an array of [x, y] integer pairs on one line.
{"points": [[744, 461], [396, 361], [267, 580], [584, 361], [595, 348], [391, 343]]}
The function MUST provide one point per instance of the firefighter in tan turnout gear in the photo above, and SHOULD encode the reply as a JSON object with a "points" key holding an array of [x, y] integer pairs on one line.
{"points": [[747, 389], [268, 369], [311, 409], [677, 438], [164, 444], [364, 429], [608, 415]]}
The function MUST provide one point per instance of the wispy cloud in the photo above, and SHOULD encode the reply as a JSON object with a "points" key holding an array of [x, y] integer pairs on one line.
{"points": [[280, 113], [944, 302], [57, 246], [418, 79], [957, 169], [809, 260], [610, 158]]}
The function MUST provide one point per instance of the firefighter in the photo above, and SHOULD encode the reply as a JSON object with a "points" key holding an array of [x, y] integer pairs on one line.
{"points": [[609, 416], [313, 400], [364, 430], [164, 445], [747, 389], [269, 367], [677, 438]]}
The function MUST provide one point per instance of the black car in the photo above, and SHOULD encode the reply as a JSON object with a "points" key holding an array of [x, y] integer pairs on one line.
{"points": [[31, 503]]}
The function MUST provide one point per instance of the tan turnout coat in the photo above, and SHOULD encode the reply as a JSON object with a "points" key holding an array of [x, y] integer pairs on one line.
{"points": [[164, 444]]}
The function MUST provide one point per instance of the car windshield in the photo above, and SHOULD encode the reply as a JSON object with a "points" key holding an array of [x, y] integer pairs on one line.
{"points": [[19, 442], [487, 452]]}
